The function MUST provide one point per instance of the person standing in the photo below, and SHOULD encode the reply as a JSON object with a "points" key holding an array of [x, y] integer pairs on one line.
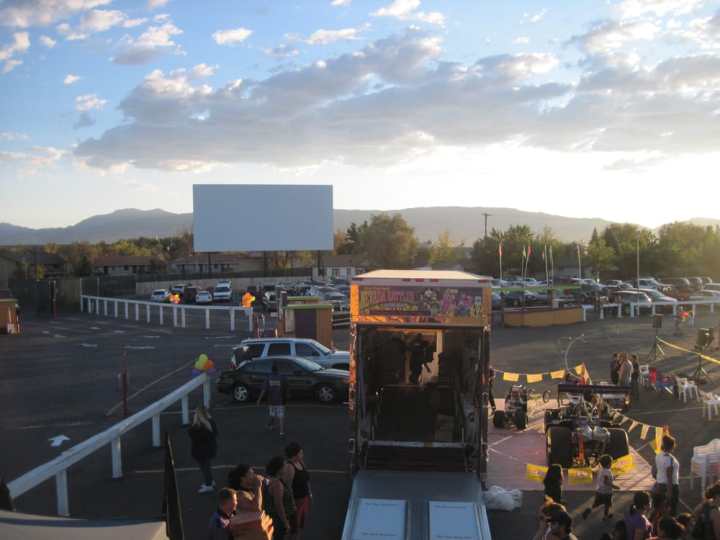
{"points": [[298, 477], [250, 521], [203, 434], [604, 490], [615, 368], [707, 515], [553, 483], [276, 390], [219, 526], [635, 378], [637, 524], [626, 368], [667, 479], [561, 527], [278, 500]]}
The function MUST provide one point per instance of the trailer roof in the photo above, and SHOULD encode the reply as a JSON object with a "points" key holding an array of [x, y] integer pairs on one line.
{"points": [[423, 276]]}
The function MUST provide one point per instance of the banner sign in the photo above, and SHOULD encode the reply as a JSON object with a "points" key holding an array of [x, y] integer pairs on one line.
{"points": [[439, 305]]}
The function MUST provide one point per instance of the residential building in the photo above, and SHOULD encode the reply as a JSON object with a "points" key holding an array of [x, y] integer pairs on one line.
{"points": [[126, 265], [30, 263], [338, 268], [218, 263]]}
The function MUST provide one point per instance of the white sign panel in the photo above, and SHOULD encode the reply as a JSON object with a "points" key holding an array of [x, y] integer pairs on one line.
{"points": [[380, 519], [249, 217], [453, 521]]}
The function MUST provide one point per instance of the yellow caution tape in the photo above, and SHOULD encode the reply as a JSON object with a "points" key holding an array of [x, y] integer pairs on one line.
{"points": [[559, 374], [683, 349]]}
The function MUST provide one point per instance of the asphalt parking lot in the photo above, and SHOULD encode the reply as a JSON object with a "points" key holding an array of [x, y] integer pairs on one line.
{"points": [[60, 377]]}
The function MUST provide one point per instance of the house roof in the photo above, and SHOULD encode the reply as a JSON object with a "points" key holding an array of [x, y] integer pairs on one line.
{"points": [[33, 256], [422, 276], [215, 258], [123, 260], [341, 260]]}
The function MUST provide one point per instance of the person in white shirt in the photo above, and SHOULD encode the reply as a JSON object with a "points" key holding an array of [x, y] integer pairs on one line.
{"points": [[605, 485], [667, 478]]}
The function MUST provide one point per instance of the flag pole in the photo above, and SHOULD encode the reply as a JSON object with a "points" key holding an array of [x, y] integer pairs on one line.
{"points": [[500, 256], [547, 276]]}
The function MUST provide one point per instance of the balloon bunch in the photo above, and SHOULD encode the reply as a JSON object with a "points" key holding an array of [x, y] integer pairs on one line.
{"points": [[203, 364]]}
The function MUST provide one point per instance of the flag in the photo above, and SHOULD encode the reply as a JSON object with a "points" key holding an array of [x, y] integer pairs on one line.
{"points": [[524, 252], [623, 464], [534, 377], [500, 249], [512, 377], [536, 473], [529, 252], [559, 374], [644, 431], [543, 253]]}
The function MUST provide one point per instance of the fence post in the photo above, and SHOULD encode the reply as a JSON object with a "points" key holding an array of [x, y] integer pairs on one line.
{"points": [[61, 492], [584, 314], [116, 308], [147, 312], [712, 307], [694, 312], [174, 314], [105, 302], [156, 431], [249, 313], [675, 309], [602, 313], [185, 406], [206, 392], [653, 309], [161, 315], [82, 301], [207, 319], [116, 447], [97, 306], [232, 319], [619, 313], [126, 310], [137, 312], [182, 317]]}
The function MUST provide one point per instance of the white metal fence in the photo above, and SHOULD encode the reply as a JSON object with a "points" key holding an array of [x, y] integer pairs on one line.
{"points": [[175, 314], [112, 436], [637, 309]]}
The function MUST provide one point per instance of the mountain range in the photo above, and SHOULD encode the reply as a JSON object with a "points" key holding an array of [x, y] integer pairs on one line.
{"points": [[463, 223]]}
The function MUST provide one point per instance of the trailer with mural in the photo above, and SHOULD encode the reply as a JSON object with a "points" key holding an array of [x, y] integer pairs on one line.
{"points": [[418, 400]]}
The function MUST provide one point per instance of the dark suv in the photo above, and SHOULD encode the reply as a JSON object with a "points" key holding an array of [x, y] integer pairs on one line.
{"points": [[304, 378]]}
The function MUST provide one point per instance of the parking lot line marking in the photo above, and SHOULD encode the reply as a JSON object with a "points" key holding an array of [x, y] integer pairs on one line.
{"points": [[46, 332], [256, 467], [223, 345], [219, 337], [89, 345], [94, 328], [118, 331], [54, 425], [59, 336], [150, 337], [501, 441], [140, 347]]}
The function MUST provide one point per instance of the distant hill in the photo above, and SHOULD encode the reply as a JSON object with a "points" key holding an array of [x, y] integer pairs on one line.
{"points": [[464, 224]]}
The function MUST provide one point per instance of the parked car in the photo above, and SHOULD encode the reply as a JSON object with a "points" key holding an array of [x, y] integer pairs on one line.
{"points": [[705, 294], [179, 289], [706, 279], [696, 283], [160, 295], [633, 297], [188, 295], [250, 349], [657, 296], [712, 287], [222, 292], [499, 283], [270, 300], [652, 283], [681, 287], [338, 300], [497, 300], [515, 298], [203, 297], [617, 284], [304, 378]]}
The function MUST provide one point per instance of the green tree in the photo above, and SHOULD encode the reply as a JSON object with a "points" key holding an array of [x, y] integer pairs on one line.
{"points": [[602, 256], [388, 242], [443, 252]]}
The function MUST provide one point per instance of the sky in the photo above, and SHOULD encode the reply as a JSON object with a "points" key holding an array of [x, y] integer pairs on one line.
{"points": [[588, 108]]}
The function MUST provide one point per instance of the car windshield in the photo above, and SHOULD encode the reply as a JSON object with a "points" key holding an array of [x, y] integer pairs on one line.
{"points": [[159, 291], [222, 288], [323, 349], [308, 364]]}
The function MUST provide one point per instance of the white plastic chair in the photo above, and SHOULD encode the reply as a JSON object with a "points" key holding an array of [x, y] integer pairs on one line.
{"points": [[711, 403], [687, 388]]}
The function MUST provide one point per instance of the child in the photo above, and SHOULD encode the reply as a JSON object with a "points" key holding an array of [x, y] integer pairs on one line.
{"points": [[553, 483], [604, 490]]}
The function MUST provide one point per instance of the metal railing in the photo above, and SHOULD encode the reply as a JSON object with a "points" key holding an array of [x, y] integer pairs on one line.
{"points": [[636, 308], [93, 304], [112, 436]]}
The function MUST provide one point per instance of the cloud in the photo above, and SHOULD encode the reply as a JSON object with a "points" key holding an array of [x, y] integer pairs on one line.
{"points": [[534, 18], [231, 37], [282, 51], [19, 45], [521, 40], [88, 102], [35, 158], [323, 37], [96, 21], [143, 187], [27, 13], [13, 136], [84, 120], [340, 3], [660, 8], [47, 41], [406, 10], [203, 70], [154, 4], [71, 79], [606, 37], [155, 41], [638, 164]]}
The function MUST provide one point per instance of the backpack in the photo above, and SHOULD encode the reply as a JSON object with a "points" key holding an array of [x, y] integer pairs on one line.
{"points": [[702, 523]]}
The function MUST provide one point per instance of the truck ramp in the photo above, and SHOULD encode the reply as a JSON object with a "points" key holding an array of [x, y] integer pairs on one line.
{"points": [[399, 505]]}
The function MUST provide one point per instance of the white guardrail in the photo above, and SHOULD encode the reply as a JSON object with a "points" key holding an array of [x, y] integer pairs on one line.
{"points": [[93, 304], [635, 308], [112, 436]]}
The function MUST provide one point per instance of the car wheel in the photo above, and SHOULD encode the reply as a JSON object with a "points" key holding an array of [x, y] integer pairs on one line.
{"points": [[326, 393], [241, 394]]}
